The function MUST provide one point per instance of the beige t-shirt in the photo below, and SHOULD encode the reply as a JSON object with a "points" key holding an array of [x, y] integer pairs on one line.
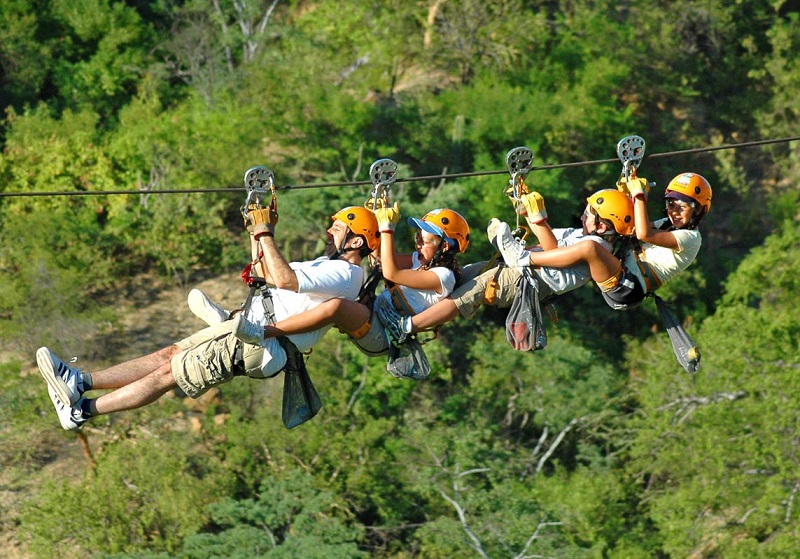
{"points": [[666, 263]]}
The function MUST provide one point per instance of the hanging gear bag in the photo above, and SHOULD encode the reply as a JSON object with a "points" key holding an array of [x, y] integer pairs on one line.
{"points": [[524, 326]]}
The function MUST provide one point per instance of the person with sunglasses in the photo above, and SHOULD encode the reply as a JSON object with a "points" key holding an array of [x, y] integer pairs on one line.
{"points": [[657, 253]]}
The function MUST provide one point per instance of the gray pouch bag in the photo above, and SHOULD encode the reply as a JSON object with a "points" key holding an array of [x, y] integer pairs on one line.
{"points": [[524, 327], [408, 360]]}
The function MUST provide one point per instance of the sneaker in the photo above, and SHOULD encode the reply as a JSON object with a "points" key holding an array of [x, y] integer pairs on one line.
{"points": [[66, 382], [248, 332], [205, 309], [397, 326], [491, 231], [71, 417], [513, 251]]}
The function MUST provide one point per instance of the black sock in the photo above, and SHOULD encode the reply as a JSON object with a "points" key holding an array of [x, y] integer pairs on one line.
{"points": [[86, 407]]}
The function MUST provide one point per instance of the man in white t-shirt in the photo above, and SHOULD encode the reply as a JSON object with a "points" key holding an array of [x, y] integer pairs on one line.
{"points": [[214, 355]]}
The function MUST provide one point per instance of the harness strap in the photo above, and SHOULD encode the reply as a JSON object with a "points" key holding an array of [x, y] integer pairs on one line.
{"points": [[651, 280], [490, 293], [402, 305]]}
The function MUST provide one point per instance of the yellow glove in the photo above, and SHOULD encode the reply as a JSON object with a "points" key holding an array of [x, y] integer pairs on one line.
{"points": [[263, 222], [622, 187], [387, 218], [379, 203], [532, 205], [638, 187]]}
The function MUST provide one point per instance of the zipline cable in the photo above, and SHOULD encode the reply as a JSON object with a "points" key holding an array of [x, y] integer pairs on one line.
{"points": [[409, 179]]}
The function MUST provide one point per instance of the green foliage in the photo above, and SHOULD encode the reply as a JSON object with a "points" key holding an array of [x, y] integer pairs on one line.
{"points": [[601, 440], [290, 518], [716, 450], [144, 493]]}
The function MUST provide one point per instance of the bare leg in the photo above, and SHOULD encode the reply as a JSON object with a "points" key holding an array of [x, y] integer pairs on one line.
{"points": [[133, 370], [137, 394], [602, 264], [435, 315], [344, 314]]}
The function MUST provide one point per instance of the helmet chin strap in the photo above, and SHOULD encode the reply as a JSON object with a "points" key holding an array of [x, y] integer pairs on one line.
{"points": [[342, 250]]}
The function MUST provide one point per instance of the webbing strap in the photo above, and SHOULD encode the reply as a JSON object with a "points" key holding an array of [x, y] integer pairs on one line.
{"points": [[400, 301], [651, 280]]}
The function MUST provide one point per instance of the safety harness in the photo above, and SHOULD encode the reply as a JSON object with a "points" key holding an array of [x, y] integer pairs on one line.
{"points": [[301, 401]]}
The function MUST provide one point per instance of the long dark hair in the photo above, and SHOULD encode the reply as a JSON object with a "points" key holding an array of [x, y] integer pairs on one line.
{"points": [[445, 259]]}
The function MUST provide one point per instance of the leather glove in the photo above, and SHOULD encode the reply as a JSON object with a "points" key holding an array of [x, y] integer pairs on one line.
{"points": [[532, 205], [263, 221], [638, 187], [387, 218]]}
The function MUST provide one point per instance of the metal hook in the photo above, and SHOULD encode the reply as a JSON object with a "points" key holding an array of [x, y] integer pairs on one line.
{"points": [[383, 173], [258, 181], [519, 162], [630, 151]]}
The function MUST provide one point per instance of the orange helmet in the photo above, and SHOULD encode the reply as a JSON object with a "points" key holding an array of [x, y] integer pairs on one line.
{"points": [[361, 221], [616, 207], [445, 223], [691, 185]]}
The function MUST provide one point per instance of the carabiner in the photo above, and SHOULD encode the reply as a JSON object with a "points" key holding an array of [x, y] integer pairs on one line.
{"points": [[383, 173]]}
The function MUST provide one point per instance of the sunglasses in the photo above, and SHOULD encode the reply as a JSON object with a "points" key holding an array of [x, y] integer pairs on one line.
{"points": [[675, 205], [422, 242]]}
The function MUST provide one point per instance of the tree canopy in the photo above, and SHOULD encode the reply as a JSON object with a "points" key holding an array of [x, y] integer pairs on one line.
{"points": [[598, 446]]}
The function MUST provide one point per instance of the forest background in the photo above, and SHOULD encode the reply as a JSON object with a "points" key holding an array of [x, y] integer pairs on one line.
{"points": [[598, 446]]}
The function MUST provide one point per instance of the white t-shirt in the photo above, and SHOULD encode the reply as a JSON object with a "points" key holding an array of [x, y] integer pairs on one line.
{"points": [[665, 262], [419, 300], [561, 280], [318, 281]]}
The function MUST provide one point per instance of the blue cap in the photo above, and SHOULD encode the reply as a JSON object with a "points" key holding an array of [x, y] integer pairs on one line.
{"points": [[431, 228]]}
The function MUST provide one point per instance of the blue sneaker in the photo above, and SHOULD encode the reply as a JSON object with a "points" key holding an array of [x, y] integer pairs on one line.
{"points": [[65, 382], [71, 418]]}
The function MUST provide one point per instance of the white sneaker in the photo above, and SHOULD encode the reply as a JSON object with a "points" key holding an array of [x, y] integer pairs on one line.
{"points": [[491, 231], [248, 332], [205, 309], [71, 418], [513, 251], [66, 382]]}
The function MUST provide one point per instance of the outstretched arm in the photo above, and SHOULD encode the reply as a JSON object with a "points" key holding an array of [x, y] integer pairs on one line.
{"points": [[280, 274], [344, 314]]}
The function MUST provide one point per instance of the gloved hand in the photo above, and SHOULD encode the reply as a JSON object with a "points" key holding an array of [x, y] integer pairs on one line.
{"points": [[622, 187], [387, 217], [379, 203], [532, 205], [262, 221], [638, 187]]}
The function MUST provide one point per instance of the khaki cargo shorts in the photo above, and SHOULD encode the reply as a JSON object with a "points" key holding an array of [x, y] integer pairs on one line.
{"points": [[212, 362], [470, 295]]}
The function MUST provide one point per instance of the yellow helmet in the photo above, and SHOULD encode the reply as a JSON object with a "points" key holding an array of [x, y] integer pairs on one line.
{"points": [[361, 221], [445, 223], [616, 207], [691, 185]]}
